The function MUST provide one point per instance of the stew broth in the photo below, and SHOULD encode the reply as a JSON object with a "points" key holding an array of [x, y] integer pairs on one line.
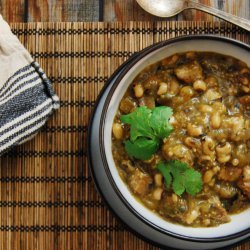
{"points": [[210, 97]]}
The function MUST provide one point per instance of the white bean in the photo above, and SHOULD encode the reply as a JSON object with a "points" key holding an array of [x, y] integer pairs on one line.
{"points": [[157, 193], [208, 176], [204, 108], [200, 85], [194, 130], [163, 88], [224, 158], [224, 149], [187, 91], [158, 178], [191, 217], [117, 131], [208, 146], [139, 91], [212, 94], [215, 120]]}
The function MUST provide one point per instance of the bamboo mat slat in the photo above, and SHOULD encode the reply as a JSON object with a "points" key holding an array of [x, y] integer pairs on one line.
{"points": [[47, 196]]}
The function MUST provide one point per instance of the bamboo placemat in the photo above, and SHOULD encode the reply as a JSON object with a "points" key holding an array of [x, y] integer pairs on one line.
{"points": [[48, 200]]}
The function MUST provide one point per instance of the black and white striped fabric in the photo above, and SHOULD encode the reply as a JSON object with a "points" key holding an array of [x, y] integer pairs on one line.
{"points": [[26, 95]]}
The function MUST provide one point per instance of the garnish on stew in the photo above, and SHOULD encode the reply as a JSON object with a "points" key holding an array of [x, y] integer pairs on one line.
{"points": [[181, 138], [147, 130], [181, 177]]}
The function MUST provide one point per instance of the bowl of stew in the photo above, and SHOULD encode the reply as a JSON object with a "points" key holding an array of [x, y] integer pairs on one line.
{"points": [[171, 156]]}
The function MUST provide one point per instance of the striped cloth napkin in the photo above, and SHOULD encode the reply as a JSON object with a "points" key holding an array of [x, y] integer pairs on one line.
{"points": [[26, 95]]}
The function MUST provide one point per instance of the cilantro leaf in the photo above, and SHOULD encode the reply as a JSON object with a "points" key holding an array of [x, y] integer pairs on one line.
{"points": [[177, 166], [181, 177], [140, 123], [160, 121], [147, 129], [178, 185], [177, 169], [166, 174], [193, 181], [142, 148]]}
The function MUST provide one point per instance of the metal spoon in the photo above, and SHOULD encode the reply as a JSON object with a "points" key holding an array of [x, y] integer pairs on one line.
{"points": [[168, 8]]}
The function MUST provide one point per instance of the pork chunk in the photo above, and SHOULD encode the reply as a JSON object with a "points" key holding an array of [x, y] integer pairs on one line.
{"points": [[229, 173], [189, 72], [245, 101], [140, 182], [244, 183]]}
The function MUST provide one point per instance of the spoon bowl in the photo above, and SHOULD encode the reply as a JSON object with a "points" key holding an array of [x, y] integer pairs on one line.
{"points": [[163, 8], [169, 8]]}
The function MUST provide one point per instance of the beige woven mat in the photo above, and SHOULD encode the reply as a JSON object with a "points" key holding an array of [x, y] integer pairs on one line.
{"points": [[48, 200]]}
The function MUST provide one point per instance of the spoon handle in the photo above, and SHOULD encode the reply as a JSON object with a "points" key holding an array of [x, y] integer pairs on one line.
{"points": [[239, 21]]}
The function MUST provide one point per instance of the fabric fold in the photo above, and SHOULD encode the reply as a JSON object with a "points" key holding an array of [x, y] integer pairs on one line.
{"points": [[27, 98]]}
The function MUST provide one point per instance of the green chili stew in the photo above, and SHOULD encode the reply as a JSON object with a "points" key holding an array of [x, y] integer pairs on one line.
{"points": [[181, 138]]}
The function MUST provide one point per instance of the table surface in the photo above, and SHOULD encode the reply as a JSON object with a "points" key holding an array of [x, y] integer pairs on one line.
{"points": [[107, 10], [104, 10]]}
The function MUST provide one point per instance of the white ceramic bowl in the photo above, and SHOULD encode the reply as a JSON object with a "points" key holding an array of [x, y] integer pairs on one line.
{"points": [[233, 231]]}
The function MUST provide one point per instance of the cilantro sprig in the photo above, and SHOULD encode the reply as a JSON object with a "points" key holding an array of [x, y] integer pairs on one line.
{"points": [[147, 130], [181, 177]]}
